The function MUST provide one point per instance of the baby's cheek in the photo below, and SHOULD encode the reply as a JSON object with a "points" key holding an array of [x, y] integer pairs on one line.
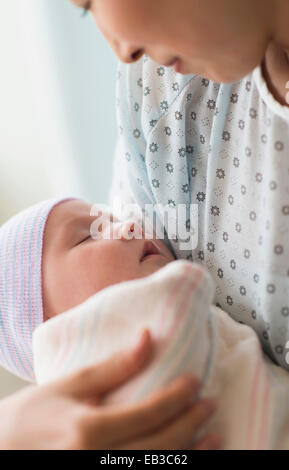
{"points": [[124, 259], [107, 262]]}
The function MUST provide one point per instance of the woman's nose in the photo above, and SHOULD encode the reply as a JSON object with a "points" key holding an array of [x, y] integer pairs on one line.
{"points": [[128, 54]]}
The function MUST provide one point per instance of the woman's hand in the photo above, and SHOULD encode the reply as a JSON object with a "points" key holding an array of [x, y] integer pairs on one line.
{"points": [[67, 414]]}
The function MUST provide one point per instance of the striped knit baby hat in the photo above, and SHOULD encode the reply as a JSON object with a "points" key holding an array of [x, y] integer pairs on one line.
{"points": [[21, 309]]}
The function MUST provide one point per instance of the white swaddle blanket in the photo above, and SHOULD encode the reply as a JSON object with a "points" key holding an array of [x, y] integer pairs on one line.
{"points": [[191, 336]]}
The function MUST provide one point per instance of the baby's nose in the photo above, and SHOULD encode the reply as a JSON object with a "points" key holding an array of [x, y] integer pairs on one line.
{"points": [[125, 230], [130, 229]]}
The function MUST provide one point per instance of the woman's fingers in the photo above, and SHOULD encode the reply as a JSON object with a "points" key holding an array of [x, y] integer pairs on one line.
{"points": [[126, 422], [94, 381], [179, 433]]}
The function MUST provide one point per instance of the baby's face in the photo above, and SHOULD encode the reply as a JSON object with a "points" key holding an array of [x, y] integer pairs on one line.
{"points": [[222, 40], [76, 266]]}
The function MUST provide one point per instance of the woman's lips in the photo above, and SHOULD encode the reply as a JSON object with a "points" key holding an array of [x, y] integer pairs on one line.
{"points": [[175, 63]]}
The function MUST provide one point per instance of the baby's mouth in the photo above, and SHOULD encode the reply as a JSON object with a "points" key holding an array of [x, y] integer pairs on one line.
{"points": [[149, 249]]}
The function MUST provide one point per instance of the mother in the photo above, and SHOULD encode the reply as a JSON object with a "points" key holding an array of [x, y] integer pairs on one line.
{"points": [[213, 133]]}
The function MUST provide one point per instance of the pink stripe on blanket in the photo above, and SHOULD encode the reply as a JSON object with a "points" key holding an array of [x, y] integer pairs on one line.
{"points": [[183, 309], [252, 407], [261, 387], [64, 345], [264, 424], [184, 347], [198, 275]]}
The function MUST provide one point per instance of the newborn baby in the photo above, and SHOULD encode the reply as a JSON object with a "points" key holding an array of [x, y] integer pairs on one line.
{"points": [[50, 263], [76, 266]]}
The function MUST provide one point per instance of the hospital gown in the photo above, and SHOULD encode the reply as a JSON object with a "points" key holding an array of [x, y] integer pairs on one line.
{"points": [[186, 140]]}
